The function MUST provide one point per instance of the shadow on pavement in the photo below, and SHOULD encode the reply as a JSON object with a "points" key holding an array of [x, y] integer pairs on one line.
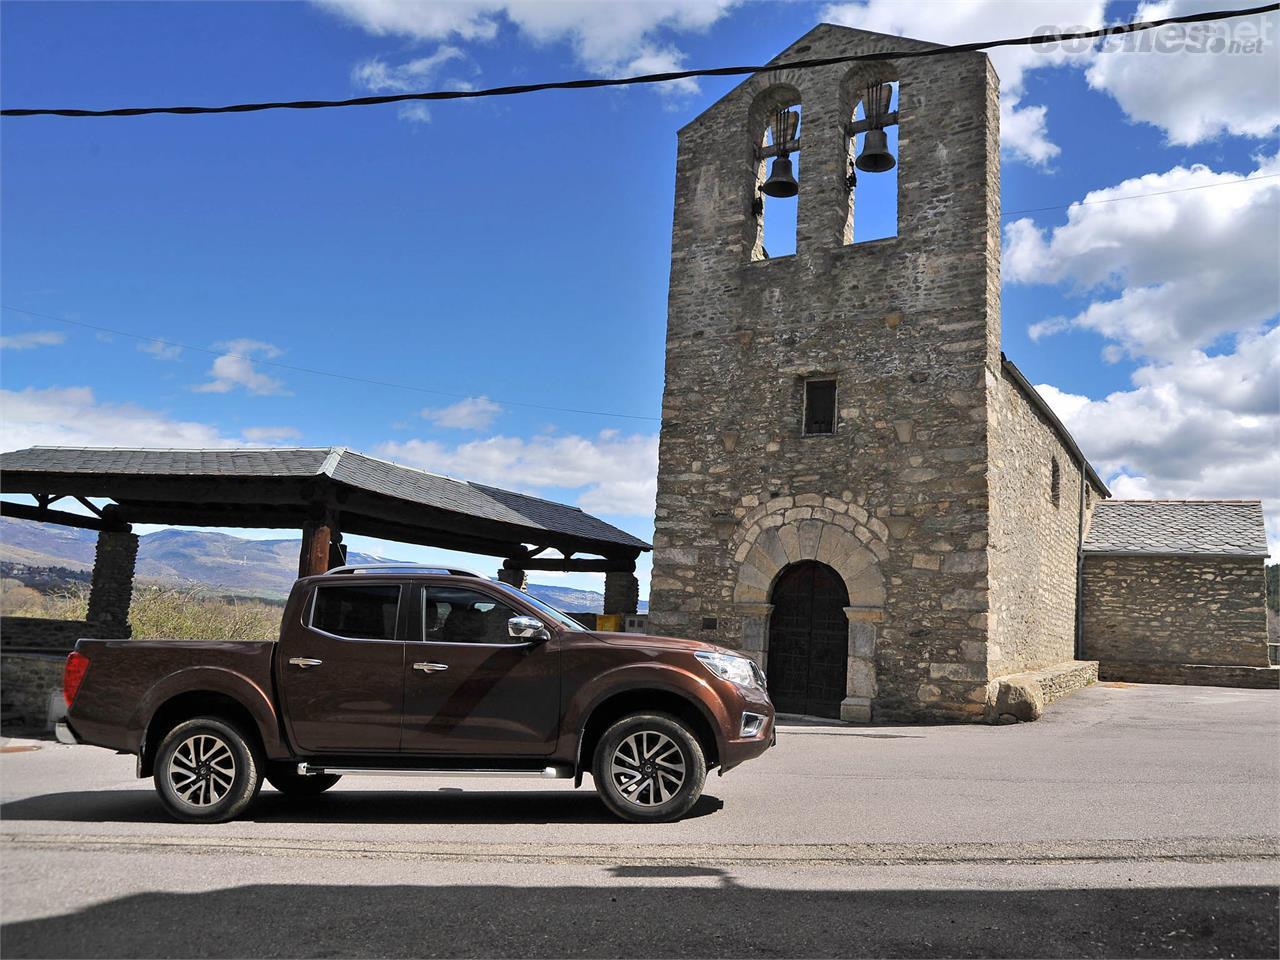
{"points": [[447, 805], [296, 920]]}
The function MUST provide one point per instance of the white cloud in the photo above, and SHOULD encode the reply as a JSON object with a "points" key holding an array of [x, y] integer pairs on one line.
{"points": [[73, 416], [1186, 285], [414, 112], [1204, 426], [235, 368], [29, 341], [377, 75], [1023, 128], [615, 473], [1186, 267], [161, 350], [472, 413], [270, 434], [1176, 79], [606, 37]]}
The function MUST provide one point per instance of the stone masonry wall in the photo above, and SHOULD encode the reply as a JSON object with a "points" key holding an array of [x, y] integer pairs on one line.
{"points": [[32, 683], [1034, 543], [908, 326], [1175, 610]]}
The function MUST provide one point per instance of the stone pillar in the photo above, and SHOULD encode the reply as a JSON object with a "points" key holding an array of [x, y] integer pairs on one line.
{"points": [[112, 587], [755, 630], [621, 592], [516, 578], [860, 678]]}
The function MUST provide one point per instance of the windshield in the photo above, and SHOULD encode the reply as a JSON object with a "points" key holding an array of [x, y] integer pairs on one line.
{"points": [[563, 619]]}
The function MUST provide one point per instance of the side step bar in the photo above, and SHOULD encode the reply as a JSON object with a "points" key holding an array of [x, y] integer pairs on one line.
{"points": [[546, 773]]}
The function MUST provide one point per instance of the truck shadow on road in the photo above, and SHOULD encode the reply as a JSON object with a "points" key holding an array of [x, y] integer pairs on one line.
{"points": [[447, 805], [663, 918]]}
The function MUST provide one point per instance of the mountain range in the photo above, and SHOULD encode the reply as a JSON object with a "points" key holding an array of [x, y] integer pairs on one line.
{"points": [[263, 568]]}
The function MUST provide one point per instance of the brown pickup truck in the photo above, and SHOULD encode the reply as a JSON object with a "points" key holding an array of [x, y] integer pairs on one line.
{"points": [[419, 671]]}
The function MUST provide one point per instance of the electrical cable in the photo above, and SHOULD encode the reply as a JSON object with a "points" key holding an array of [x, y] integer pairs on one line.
{"points": [[586, 84]]}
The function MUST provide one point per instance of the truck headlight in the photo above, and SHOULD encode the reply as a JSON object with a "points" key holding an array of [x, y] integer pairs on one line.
{"points": [[734, 669]]}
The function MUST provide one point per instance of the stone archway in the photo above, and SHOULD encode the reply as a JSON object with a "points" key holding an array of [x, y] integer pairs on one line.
{"points": [[836, 532]]}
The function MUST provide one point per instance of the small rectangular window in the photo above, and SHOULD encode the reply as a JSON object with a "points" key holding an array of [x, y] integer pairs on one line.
{"points": [[357, 611], [819, 407]]}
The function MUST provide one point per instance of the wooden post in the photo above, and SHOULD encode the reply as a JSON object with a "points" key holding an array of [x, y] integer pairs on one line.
{"points": [[317, 540]]}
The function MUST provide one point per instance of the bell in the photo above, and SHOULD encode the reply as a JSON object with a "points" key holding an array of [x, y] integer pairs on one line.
{"points": [[781, 182], [875, 156]]}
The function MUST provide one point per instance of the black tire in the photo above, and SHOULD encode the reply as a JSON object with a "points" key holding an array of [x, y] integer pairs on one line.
{"points": [[207, 770], [662, 788], [286, 779]]}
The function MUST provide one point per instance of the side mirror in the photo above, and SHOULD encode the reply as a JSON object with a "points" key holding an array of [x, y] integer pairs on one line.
{"points": [[527, 628]]}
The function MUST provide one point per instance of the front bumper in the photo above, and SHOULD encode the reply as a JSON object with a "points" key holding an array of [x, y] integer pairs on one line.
{"points": [[64, 734]]}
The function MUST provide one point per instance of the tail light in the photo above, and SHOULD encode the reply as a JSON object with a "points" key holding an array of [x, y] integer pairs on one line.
{"points": [[72, 674]]}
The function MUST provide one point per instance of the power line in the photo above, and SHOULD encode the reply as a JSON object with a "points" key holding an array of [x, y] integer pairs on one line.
{"points": [[321, 373], [586, 84], [1142, 196]]}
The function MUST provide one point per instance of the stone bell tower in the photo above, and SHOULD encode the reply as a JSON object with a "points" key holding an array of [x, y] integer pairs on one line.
{"points": [[822, 488]]}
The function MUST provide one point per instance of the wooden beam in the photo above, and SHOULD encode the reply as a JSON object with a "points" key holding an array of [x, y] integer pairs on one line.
{"points": [[861, 126], [27, 511], [616, 565]]}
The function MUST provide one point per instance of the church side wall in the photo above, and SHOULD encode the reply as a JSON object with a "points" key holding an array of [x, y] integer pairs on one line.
{"points": [[1034, 543], [1175, 610]]}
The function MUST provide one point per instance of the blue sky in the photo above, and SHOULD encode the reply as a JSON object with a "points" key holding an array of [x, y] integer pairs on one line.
{"points": [[516, 250]]}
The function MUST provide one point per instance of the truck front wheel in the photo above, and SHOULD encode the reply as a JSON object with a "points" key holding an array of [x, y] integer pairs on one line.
{"points": [[207, 771], [649, 767]]}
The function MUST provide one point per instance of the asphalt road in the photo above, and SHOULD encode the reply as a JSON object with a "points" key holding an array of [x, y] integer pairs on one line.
{"points": [[1130, 821]]}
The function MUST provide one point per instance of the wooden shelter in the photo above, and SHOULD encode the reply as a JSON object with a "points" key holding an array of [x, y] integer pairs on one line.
{"points": [[324, 491]]}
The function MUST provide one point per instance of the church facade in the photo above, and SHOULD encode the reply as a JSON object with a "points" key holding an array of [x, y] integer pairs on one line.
{"points": [[855, 486]]}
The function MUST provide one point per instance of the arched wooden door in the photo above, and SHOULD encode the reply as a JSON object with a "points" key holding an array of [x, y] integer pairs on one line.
{"points": [[808, 640]]}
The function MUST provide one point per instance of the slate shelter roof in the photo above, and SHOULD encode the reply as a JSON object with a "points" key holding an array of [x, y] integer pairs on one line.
{"points": [[371, 493], [1175, 527]]}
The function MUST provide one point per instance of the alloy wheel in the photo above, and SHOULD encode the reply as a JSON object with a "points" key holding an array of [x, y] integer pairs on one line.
{"points": [[202, 770], [648, 768]]}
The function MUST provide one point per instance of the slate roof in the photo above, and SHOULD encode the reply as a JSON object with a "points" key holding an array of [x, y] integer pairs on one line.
{"points": [[340, 464], [1164, 527]]}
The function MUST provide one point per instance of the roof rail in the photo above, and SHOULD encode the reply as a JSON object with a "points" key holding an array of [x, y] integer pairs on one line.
{"points": [[410, 567]]}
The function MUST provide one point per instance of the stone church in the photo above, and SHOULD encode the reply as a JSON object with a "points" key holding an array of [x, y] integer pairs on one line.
{"points": [[855, 486]]}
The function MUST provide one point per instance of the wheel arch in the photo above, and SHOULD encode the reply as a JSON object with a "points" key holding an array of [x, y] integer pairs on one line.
{"points": [[645, 699], [207, 692]]}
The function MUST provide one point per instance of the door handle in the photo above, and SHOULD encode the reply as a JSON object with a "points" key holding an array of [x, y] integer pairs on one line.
{"points": [[427, 667], [305, 662]]}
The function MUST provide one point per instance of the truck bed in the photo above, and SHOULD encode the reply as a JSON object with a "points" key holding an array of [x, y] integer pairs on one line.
{"points": [[128, 680]]}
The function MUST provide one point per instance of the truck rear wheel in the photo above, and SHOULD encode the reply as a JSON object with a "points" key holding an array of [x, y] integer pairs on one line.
{"points": [[288, 781], [207, 771], [649, 768]]}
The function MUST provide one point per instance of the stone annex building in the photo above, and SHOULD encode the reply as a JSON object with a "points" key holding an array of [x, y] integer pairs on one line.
{"points": [[855, 486]]}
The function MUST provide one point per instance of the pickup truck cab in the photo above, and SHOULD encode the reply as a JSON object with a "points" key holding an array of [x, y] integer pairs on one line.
{"points": [[402, 670]]}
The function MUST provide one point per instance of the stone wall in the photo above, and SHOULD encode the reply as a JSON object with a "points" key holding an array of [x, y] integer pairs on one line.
{"points": [[908, 326], [1035, 541], [1175, 610], [59, 636], [32, 688]]}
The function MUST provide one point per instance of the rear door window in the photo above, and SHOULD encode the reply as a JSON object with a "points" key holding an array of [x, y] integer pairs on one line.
{"points": [[357, 611]]}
